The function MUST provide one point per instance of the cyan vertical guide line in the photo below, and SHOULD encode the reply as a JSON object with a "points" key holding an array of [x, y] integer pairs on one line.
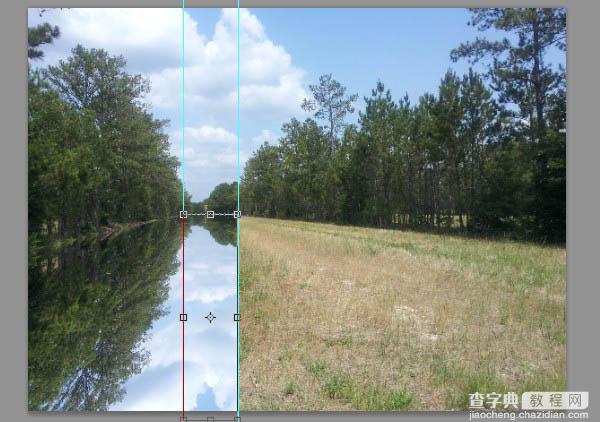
{"points": [[238, 208], [182, 105], [182, 206], [238, 168]]}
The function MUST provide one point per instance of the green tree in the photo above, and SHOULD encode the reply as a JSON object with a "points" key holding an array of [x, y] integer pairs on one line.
{"points": [[305, 161], [61, 145], [262, 183], [423, 155], [447, 114], [90, 310], [521, 76], [331, 104], [378, 127], [222, 199], [354, 168], [479, 128], [485, 154], [39, 35], [130, 174]]}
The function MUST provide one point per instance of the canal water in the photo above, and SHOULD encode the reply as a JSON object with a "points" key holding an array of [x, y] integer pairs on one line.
{"points": [[104, 328]]}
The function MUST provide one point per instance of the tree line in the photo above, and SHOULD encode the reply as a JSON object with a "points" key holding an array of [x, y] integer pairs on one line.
{"points": [[486, 153], [222, 199], [90, 310], [96, 153]]}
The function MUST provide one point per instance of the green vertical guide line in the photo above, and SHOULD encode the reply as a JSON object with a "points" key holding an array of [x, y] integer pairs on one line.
{"points": [[182, 105]]}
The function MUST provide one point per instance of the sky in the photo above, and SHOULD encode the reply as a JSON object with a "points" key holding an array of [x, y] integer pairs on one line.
{"points": [[210, 349], [282, 52]]}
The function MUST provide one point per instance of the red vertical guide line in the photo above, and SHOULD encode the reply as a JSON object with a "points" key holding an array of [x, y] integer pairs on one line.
{"points": [[183, 322]]}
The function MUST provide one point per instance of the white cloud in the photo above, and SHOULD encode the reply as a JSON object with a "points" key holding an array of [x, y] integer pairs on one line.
{"points": [[210, 349], [271, 86], [207, 147], [210, 362], [149, 39], [206, 282]]}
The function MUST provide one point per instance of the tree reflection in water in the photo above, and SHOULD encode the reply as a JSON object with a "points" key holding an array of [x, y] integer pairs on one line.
{"points": [[91, 309]]}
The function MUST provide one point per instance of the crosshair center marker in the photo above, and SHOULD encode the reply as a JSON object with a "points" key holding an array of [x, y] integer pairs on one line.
{"points": [[210, 317]]}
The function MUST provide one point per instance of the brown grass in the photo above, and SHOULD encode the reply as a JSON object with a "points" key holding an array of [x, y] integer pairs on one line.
{"points": [[343, 318]]}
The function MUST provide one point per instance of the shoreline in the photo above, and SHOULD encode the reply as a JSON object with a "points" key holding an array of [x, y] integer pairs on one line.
{"points": [[115, 229]]}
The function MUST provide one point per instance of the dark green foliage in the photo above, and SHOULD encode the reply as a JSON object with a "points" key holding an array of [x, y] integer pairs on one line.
{"points": [[222, 199], [262, 183], [331, 104], [89, 310], [39, 35], [96, 155], [478, 157], [223, 231], [536, 90]]}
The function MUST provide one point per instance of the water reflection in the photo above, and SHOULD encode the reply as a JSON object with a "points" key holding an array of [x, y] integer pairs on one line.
{"points": [[104, 330]]}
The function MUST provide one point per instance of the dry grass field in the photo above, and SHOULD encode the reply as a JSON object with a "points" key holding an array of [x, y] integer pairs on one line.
{"points": [[344, 318]]}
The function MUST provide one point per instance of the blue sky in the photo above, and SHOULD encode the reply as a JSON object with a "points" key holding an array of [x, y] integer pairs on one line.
{"points": [[408, 49], [282, 52], [210, 349]]}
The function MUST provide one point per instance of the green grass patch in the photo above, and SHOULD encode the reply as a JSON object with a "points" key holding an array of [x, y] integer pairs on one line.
{"points": [[408, 247], [245, 347], [509, 261], [344, 340], [291, 388], [317, 368], [337, 385], [285, 356], [489, 383]]}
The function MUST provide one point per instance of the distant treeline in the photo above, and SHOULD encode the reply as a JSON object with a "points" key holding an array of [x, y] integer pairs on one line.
{"points": [[486, 154], [223, 198], [96, 154]]}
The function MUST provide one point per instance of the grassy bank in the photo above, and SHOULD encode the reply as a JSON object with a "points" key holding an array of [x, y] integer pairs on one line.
{"points": [[342, 318]]}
